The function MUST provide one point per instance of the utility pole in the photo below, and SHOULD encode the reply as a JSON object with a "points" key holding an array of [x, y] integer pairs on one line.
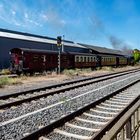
{"points": [[59, 45]]}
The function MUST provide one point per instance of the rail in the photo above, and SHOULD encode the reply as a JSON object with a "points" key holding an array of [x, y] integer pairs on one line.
{"points": [[127, 127], [47, 129]]}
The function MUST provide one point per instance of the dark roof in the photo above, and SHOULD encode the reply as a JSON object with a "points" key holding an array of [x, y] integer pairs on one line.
{"points": [[103, 50], [46, 51], [32, 35]]}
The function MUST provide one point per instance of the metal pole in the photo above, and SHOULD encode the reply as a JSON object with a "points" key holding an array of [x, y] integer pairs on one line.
{"points": [[59, 60], [63, 43]]}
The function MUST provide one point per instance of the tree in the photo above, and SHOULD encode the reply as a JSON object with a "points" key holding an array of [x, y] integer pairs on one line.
{"points": [[136, 54]]}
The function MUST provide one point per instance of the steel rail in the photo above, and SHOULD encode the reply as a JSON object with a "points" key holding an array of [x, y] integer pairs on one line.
{"points": [[66, 83], [70, 87], [49, 128]]}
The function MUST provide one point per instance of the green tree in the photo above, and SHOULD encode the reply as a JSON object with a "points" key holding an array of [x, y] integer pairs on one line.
{"points": [[136, 54]]}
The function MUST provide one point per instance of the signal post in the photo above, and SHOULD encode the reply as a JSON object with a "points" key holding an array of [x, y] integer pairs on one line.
{"points": [[59, 45]]}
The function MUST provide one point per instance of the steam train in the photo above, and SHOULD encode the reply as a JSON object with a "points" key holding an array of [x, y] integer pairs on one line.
{"points": [[24, 60]]}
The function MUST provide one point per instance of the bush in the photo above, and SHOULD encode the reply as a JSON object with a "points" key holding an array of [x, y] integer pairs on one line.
{"points": [[4, 81], [69, 72], [5, 71], [9, 81]]}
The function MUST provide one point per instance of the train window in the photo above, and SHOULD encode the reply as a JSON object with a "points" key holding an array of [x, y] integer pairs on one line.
{"points": [[91, 59], [35, 58], [85, 59], [81, 59], [77, 59], [43, 58], [88, 59]]}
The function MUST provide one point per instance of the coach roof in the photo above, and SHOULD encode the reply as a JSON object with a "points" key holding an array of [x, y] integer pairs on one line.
{"points": [[46, 51]]}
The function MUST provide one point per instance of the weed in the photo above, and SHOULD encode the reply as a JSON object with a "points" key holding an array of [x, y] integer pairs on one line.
{"points": [[5, 71], [9, 81]]}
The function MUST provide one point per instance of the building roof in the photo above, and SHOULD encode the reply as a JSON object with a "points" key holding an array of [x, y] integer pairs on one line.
{"points": [[36, 38], [102, 50]]}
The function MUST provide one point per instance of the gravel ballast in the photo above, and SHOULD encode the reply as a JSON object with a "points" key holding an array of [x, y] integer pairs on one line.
{"points": [[25, 108], [18, 128]]}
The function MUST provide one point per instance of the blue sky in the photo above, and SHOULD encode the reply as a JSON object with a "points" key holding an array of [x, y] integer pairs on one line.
{"points": [[86, 21]]}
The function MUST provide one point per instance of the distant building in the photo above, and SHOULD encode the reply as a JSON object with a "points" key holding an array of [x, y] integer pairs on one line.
{"points": [[12, 39]]}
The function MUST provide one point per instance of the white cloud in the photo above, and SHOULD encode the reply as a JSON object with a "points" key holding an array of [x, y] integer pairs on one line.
{"points": [[18, 14], [53, 18], [13, 12]]}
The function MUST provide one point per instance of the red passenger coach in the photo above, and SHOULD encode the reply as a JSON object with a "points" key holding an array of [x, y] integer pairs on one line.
{"points": [[34, 60]]}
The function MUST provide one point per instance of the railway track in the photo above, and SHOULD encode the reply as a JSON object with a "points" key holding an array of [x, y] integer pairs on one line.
{"points": [[30, 95], [23, 122], [86, 123], [9, 75]]}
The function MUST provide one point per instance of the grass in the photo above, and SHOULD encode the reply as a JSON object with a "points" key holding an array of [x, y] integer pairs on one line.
{"points": [[9, 81], [107, 68], [5, 71], [76, 72]]}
